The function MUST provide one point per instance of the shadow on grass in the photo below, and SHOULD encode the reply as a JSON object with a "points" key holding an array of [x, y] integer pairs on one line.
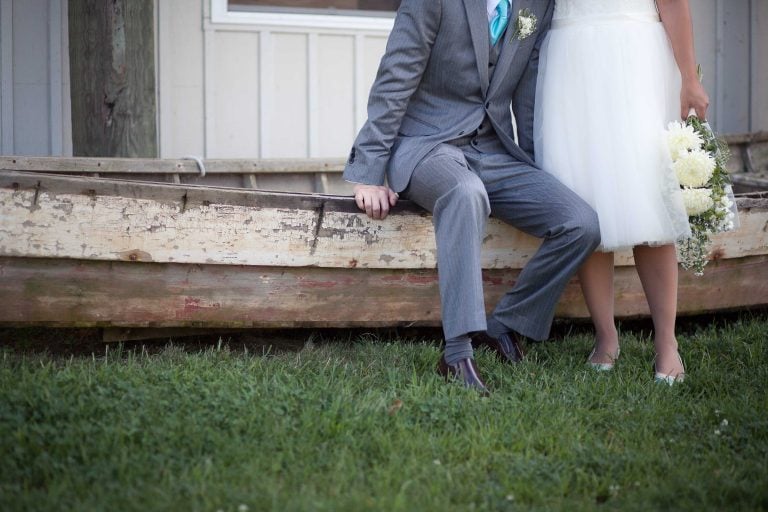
{"points": [[90, 342]]}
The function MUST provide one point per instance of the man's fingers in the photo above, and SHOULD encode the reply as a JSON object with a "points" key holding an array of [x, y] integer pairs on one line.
{"points": [[384, 207], [375, 207], [375, 201], [368, 206], [381, 206]]}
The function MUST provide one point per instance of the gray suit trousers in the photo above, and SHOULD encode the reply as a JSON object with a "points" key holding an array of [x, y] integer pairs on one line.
{"points": [[462, 186]]}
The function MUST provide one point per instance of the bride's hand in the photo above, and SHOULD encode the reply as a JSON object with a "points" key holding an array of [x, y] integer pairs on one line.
{"points": [[693, 96]]}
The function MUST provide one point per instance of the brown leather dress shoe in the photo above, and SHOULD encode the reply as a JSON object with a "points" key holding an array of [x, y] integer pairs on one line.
{"points": [[465, 371], [506, 347]]}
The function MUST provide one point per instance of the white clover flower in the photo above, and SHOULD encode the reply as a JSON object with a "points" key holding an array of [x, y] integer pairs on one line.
{"points": [[697, 200], [694, 168], [724, 423], [682, 138], [242, 508], [717, 432]]}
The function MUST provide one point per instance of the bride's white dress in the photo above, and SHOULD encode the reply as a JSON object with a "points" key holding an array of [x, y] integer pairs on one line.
{"points": [[608, 87]]}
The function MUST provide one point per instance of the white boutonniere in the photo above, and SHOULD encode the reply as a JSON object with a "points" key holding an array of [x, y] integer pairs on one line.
{"points": [[525, 24]]}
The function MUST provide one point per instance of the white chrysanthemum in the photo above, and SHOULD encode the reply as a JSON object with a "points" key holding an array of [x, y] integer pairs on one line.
{"points": [[725, 202], [697, 200], [682, 138], [694, 168]]}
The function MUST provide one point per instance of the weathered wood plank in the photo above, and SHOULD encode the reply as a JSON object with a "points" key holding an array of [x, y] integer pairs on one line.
{"points": [[112, 56], [745, 138], [59, 293], [302, 175], [110, 220], [188, 166], [169, 166], [750, 181]]}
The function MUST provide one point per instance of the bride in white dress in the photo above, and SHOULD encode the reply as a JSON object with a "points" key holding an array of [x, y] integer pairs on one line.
{"points": [[613, 74]]}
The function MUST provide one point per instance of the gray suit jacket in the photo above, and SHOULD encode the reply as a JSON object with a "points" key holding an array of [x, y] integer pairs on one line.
{"points": [[433, 86]]}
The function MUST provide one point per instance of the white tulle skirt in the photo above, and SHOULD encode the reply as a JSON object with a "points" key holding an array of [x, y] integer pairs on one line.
{"points": [[608, 87]]}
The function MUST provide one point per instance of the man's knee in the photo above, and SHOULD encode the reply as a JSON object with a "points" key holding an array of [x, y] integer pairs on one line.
{"points": [[468, 195], [588, 225]]}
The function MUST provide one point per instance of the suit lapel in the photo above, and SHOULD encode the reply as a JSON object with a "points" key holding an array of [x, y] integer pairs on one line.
{"points": [[478, 27], [509, 45]]}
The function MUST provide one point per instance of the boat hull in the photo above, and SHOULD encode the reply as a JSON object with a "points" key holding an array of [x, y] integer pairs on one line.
{"points": [[86, 252], [88, 293]]}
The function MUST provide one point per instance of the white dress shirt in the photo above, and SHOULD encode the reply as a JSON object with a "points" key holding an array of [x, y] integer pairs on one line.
{"points": [[490, 6]]}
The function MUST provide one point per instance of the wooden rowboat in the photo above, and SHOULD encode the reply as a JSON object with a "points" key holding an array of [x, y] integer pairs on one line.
{"points": [[104, 252]]}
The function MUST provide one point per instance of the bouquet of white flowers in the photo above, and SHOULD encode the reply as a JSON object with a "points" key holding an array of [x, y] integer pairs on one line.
{"points": [[699, 160]]}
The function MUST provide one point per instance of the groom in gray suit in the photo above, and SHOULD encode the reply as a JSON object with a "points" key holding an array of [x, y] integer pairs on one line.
{"points": [[440, 133]]}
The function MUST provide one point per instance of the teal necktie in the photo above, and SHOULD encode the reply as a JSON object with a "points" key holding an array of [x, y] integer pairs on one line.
{"points": [[499, 21]]}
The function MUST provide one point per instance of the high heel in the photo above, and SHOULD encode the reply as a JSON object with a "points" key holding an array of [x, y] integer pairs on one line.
{"points": [[663, 378], [603, 367]]}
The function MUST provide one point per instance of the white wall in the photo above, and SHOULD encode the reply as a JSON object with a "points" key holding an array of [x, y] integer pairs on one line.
{"points": [[256, 87], [296, 86], [34, 78], [732, 45], [290, 86], [759, 62]]}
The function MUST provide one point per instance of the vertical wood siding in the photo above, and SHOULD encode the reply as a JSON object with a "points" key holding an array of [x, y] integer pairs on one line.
{"points": [[267, 91], [731, 45], [273, 92], [759, 53], [34, 71]]}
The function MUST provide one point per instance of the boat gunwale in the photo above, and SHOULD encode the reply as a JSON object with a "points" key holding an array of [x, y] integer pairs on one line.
{"points": [[196, 194]]}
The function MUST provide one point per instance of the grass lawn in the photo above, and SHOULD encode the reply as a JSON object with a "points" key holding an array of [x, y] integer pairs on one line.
{"points": [[365, 424]]}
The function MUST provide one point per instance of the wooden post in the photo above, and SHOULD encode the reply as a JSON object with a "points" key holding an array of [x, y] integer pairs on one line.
{"points": [[112, 66]]}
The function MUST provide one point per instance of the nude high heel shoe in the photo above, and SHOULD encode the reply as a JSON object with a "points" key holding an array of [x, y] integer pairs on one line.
{"points": [[603, 367], [663, 378]]}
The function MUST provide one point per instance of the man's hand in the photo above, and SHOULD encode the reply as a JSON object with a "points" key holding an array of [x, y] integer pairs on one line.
{"points": [[693, 97], [375, 200]]}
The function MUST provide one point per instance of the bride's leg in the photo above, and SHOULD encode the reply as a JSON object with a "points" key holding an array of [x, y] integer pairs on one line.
{"points": [[596, 277], [657, 268]]}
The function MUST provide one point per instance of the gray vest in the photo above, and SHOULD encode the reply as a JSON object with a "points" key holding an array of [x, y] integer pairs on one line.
{"points": [[485, 129], [493, 55], [484, 137]]}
